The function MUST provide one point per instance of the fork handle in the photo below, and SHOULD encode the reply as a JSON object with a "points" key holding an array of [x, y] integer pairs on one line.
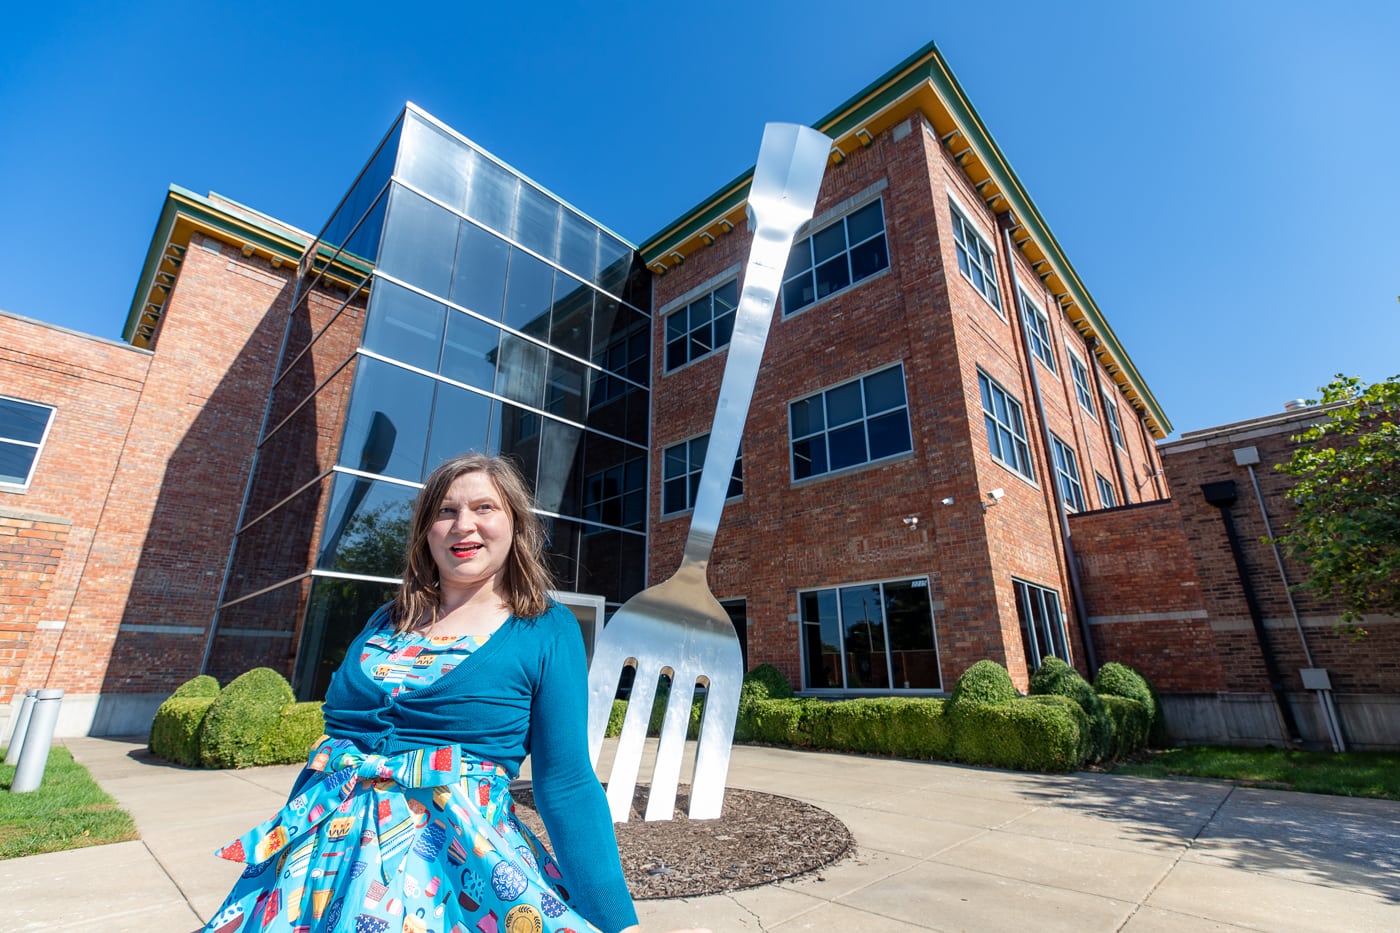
{"points": [[782, 196]]}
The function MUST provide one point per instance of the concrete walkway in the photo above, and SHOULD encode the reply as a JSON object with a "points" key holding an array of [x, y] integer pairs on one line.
{"points": [[939, 847]]}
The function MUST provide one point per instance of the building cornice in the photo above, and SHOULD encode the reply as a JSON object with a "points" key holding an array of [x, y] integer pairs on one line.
{"points": [[183, 215], [924, 85]]}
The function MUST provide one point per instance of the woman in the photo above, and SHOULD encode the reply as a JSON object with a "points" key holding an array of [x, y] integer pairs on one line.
{"points": [[403, 819]]}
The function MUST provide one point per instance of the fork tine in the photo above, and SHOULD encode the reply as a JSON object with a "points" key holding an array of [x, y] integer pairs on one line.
{"points": [[716, 737], [604, 672], [661, 802], [622, 780]]}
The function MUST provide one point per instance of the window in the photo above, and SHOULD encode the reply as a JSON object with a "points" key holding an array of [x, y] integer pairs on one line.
{"points": [[872, 636], [836, 256], [616, 496], [857, 422], [681, 465], [1042, 626], [1037, 331], [1110, 410], [627, 356], [1006, 429], [1107, 496], [701, 327], [1067, 474], [1080, 373], [975, 258], [23, 428]]}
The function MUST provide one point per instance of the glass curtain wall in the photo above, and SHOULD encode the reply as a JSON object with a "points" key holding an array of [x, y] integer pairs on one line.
{"points": [[493, 318]]}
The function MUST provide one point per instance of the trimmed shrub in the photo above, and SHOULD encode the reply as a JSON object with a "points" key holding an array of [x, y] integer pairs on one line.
{"points": [[1023, 734], [1054, 676], [785, 722], [245, 711], [764, 682], [983, 682], [1131, 724], [1114, 679], [615, 717], [1073, 710], [201, 686], [297, 729], [175, 730], [907, 727]]}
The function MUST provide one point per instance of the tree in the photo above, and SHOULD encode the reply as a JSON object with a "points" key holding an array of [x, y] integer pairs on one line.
{"points": [[1346, 528]]}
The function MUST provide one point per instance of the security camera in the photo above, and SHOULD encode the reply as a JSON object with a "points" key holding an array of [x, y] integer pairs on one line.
{"points": [[996, 494], [947, 500]]}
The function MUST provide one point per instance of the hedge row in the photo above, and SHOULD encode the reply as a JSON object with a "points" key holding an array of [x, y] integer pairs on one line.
{"points": [[255, 720], [1060, 726]]}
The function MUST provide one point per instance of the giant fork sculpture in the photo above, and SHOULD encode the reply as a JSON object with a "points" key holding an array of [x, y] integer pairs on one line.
{"points": [[677, 626]]}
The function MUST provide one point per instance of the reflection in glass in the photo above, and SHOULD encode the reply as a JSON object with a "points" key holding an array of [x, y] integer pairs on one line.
{"points": [[561, 538], [578, 245], [821, 627], [520, 370], [863, 624], [338, 610], [386, 428], [571, 321], [461, 420], [566, 387], [612, 563], [529, 292], [420, 242], [491, 196], [366, 188], [405, 325], [913, 654], [469, 355], [537, 222], [557, 486], [366, 527], [479, 279], [434, 162], [515, 433], [614, 263]]}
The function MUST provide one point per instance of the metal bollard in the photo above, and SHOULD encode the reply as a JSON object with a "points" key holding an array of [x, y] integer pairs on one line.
{"points": [[21, 726], [34, 757]]}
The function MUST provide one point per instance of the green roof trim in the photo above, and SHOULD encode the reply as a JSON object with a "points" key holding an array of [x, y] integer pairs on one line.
{"points": [[238, 224], [926, 65]]}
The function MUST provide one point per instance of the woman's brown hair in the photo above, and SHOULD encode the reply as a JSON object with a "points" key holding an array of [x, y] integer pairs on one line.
{"points": [[527, 578]]}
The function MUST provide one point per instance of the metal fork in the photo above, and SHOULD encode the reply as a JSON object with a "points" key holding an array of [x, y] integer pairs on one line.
{"points": [[677, 627]]}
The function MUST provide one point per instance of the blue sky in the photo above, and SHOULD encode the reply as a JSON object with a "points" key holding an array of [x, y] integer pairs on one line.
{"points": [[1225, 176]]}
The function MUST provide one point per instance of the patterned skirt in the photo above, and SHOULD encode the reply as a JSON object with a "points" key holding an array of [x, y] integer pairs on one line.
{"points": [[422, 842]]}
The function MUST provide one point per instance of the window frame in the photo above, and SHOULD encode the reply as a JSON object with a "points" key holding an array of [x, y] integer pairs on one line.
{"points": [[963, 228], [688, 337], [1079, 374], [986, 385], [1037, 326], [37, 447], [1067, 479], [914, 581], [865, 419], [810, 269], [1109, 501], [1115, 427], [1025, 615], [692, 474]]}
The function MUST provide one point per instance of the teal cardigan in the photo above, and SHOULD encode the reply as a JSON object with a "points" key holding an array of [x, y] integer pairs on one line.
{"points": [[524, 692]]}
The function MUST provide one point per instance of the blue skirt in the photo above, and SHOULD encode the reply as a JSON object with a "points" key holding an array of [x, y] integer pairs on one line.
{"points": [[422, 842]]}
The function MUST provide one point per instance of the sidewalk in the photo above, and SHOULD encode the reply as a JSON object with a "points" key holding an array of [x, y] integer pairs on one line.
{"points": [[939, 847]]}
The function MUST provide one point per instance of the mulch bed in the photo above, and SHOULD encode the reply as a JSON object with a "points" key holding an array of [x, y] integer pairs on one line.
{"points": [[758, 839]]}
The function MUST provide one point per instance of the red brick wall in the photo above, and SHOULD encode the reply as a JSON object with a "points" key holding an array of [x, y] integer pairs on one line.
{"points": [[785, 537], [148, 455], [94, 386], [31, 548]]}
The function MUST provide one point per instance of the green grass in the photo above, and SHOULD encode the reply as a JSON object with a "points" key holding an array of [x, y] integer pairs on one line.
{"points": [[67, 811], [1350, 774]]}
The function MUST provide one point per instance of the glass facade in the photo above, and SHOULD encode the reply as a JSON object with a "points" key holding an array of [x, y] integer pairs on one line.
{"points": [[449, 305]]}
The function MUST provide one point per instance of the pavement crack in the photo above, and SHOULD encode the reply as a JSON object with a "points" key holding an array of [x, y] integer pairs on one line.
{"points": [[1187, 847], [746, 909]]}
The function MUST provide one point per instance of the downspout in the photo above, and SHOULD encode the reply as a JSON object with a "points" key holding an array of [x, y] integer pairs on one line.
{"points": [[1222, 496], [1071, 561], [1092, 342]]}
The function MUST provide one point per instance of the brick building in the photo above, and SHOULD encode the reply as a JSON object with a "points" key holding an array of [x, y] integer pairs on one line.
{"points": [[939, 392], [1190, 592]]}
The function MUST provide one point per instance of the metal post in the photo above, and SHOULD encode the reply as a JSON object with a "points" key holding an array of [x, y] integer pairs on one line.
{"points": [[21, 726], [34, 757]]}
